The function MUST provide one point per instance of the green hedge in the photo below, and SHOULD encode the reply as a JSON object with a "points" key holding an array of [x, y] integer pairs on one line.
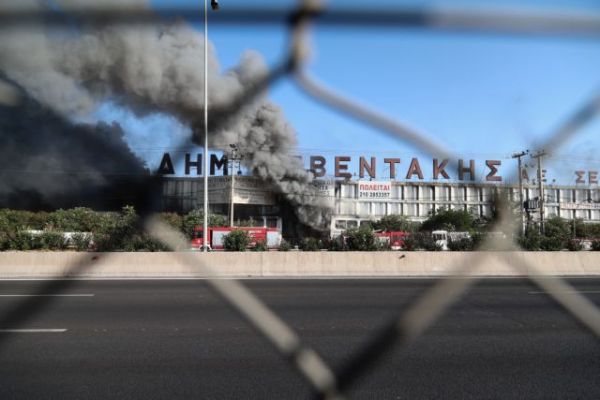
{"points": [[102, 231]]}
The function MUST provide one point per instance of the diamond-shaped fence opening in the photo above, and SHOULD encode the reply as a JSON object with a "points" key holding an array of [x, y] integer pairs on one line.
{"points": [[406, 326]]}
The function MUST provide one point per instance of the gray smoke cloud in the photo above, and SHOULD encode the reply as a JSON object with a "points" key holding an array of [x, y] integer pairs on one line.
{"points": [[158, 69]]}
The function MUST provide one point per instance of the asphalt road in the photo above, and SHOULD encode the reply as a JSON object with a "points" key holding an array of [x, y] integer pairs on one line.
{"points": [[174, 339]]}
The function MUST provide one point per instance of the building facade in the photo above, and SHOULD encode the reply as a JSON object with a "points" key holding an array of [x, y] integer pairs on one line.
{"points": [[356, 202], [417, 200]]}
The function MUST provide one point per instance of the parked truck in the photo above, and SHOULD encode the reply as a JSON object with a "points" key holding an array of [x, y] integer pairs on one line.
{"points": [[394, 239], [442, 237], [216, 235]]}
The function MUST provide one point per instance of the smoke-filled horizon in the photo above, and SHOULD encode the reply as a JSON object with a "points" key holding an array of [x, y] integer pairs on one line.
{"points": [[158, 69]]}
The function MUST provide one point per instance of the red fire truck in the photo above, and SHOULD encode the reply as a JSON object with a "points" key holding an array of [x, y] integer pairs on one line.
{"points": [[395, 239], [271, 236]]}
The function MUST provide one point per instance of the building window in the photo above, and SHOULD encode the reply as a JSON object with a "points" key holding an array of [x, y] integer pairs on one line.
{"points": [[363, 208], [378, 208], [410, 193], [347, 207], [348, 191]]}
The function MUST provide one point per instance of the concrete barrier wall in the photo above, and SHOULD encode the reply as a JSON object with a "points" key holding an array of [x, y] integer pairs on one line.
{"points": [[293, 264]]}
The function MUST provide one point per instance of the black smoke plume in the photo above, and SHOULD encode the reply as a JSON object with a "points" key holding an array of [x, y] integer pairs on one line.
{"points": [[47, 162], [158, 69]]}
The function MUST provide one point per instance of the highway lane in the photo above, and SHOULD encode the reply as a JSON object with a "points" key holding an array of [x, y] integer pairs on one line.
{"points": [[175, 339]]}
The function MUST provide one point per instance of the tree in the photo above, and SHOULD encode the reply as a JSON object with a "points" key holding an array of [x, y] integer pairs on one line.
{"points": [[394, 223], [450, 220], [196, 218], [236, 240]]}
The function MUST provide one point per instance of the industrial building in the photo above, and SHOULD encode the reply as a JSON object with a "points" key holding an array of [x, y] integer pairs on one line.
{"points": [[353, 202]]}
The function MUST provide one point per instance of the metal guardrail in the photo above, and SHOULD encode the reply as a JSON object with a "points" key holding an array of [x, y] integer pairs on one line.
{"points": [[408, 326]]}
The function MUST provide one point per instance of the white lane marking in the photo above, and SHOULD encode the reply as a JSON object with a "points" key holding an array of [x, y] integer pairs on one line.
{"points": [[273, 278], [571, 292], [288, 278], [61, 330], [48, 295]]}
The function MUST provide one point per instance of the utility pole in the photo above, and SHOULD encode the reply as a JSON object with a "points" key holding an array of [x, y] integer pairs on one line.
{"points": [[234, 157], [521, 201], [539, 156]]}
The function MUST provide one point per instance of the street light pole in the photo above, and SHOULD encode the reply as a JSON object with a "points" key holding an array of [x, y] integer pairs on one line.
{"points": [[236, 157], [215, 6]]}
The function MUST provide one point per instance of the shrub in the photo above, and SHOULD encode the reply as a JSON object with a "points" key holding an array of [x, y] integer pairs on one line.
{"points": [[104, 242], [79, 219], [558, 228], [596, 245], [81, 241], [337, 244], [531, 240], [236, 240], [15, 220], [383, 246], [151, 244], [361, 239], [4, 242], [310, 244], [421, 241], [463, 244], [250, 222], [115, 230], [592, 230], [142, 242], [552, 243], [52, 241], [410, 243], [477, 239], [261, 245], [22, 240], [172, 219], [574, 245], [285, 246]]}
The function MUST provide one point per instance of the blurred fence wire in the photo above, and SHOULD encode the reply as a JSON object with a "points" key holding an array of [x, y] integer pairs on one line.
{"points": [[409, 325]]}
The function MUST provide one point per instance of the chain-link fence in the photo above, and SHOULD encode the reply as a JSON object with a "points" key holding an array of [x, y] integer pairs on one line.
{"points": [[408, 325]]}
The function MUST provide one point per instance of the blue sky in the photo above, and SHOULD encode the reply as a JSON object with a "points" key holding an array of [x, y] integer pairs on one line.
{"points": [[483, 96]]}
